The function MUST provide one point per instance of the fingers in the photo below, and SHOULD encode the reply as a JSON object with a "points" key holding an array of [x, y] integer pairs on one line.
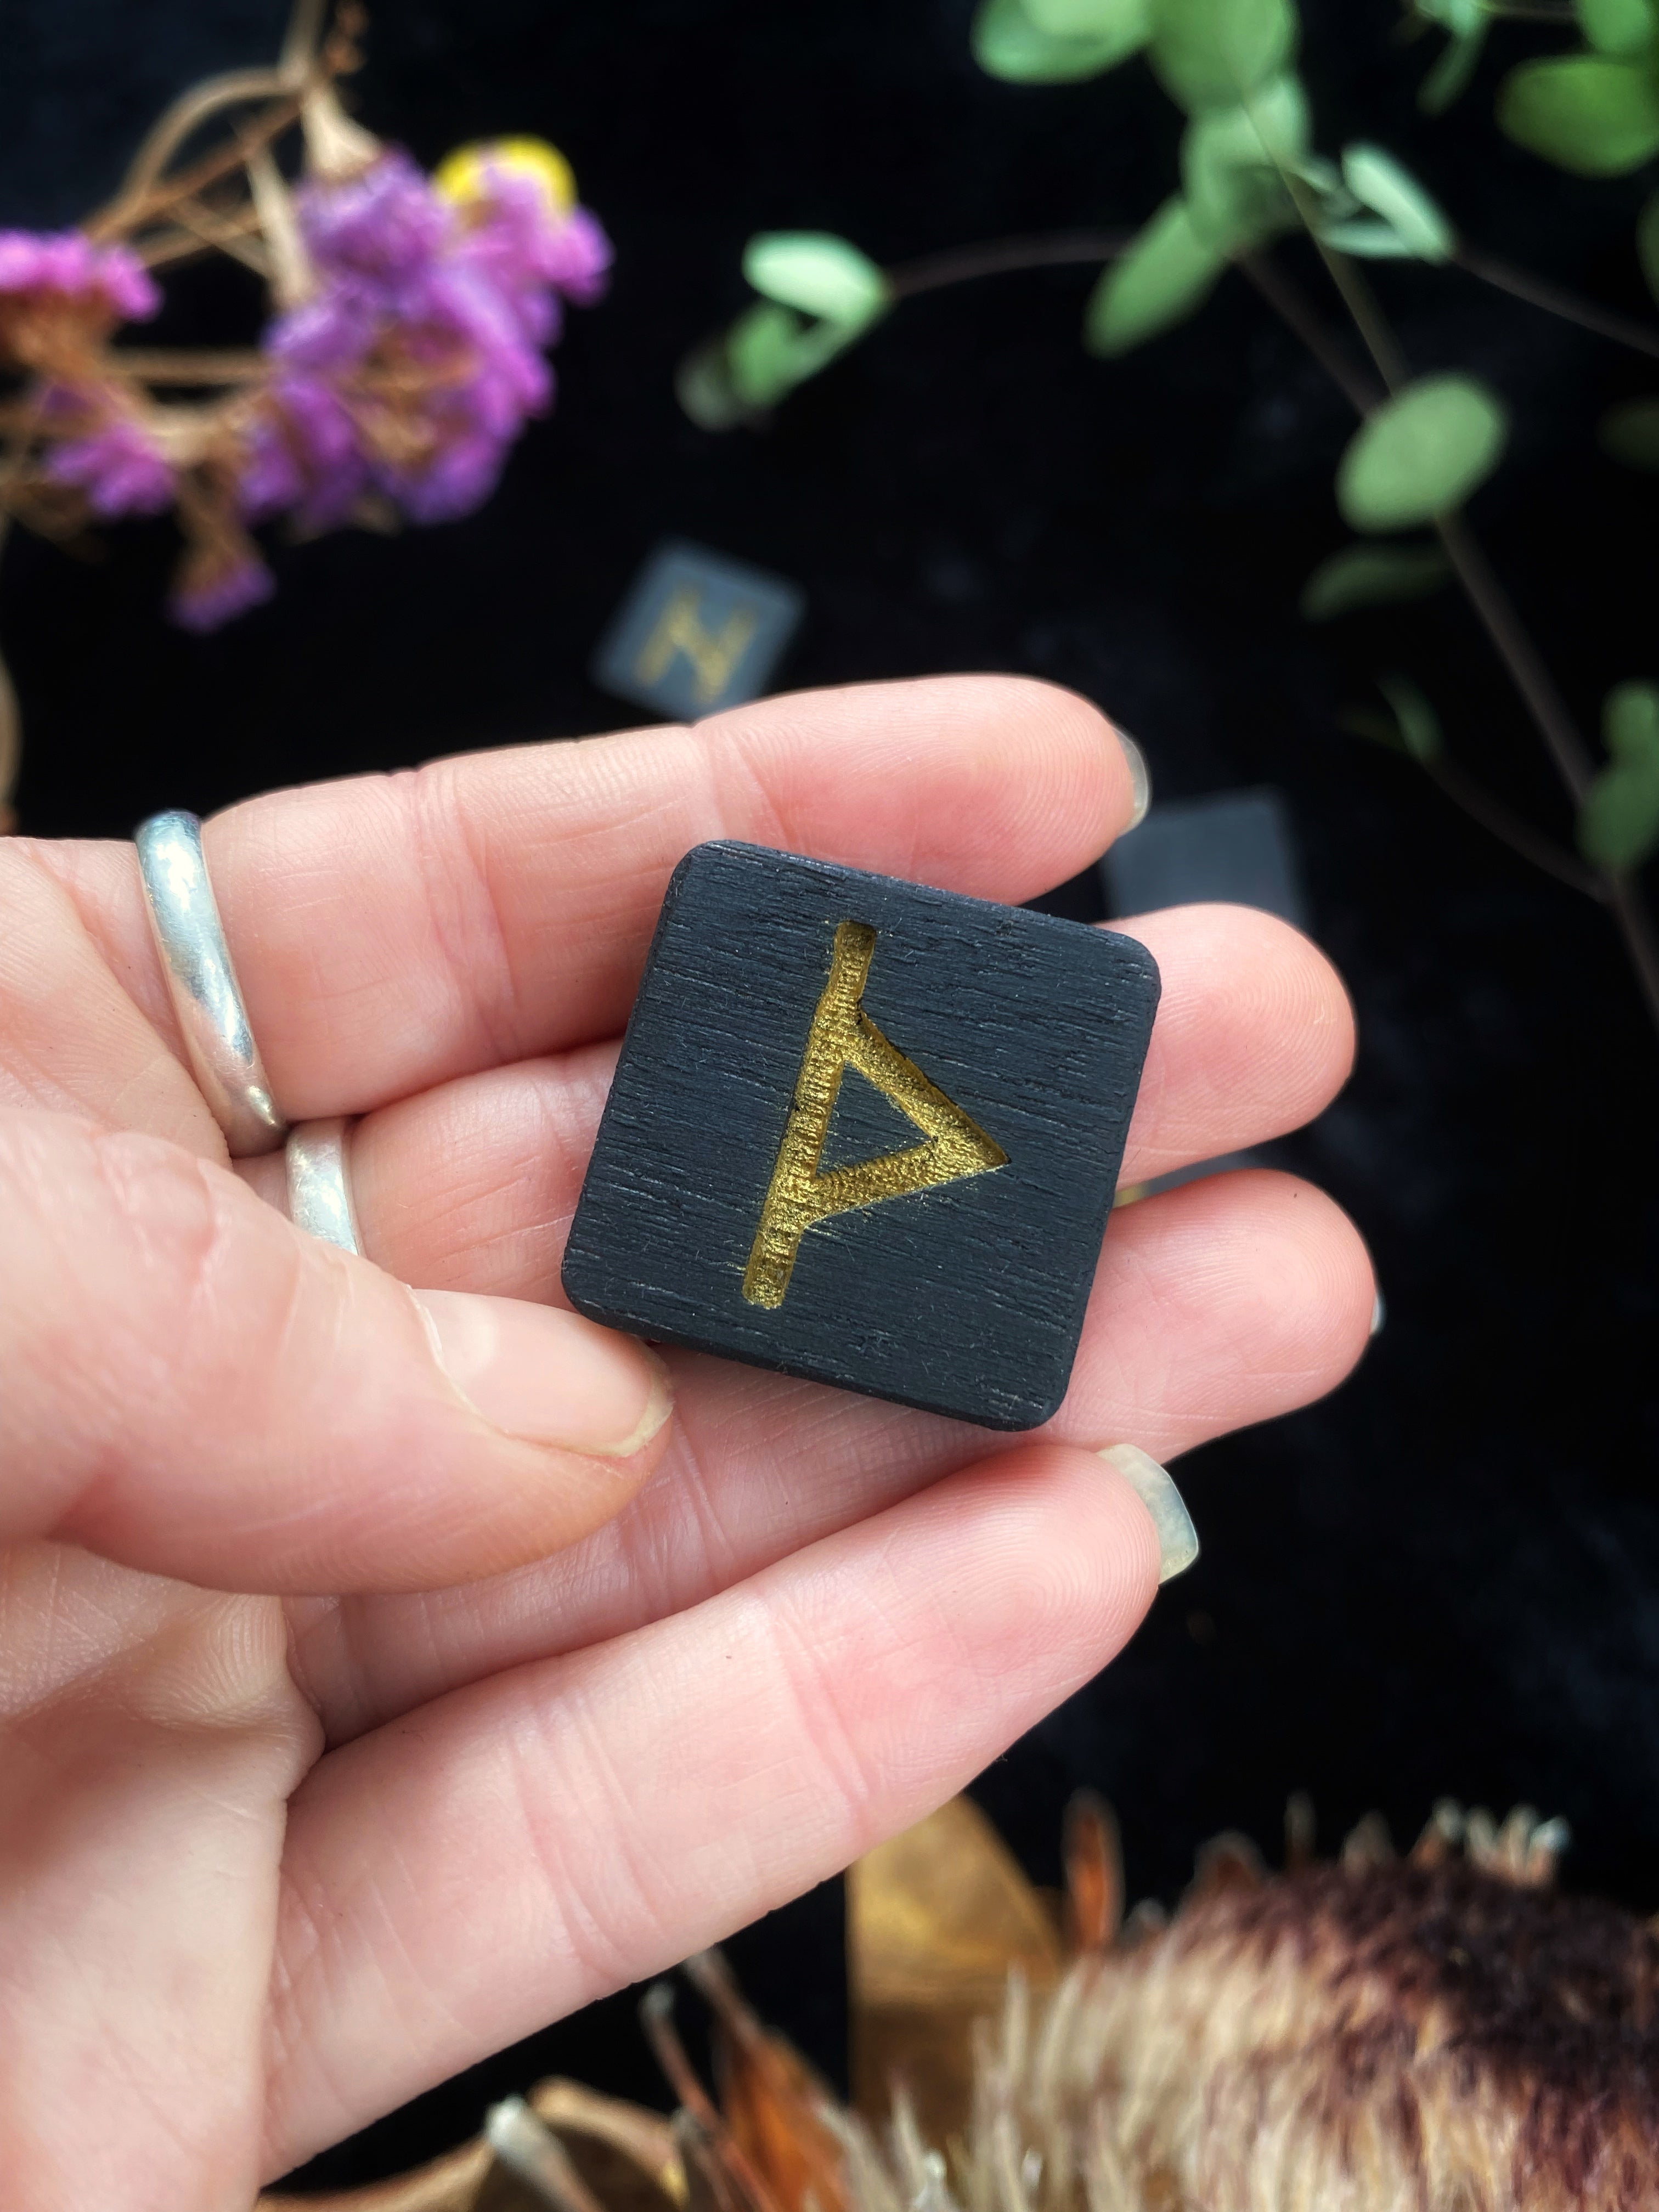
{"points": [[472, 1186], [610, 1811], [71, 1040], [195, 1387], [1255, 1036], [1218, 1305], [150, 1737], [1222, 1304], [391, 933]]}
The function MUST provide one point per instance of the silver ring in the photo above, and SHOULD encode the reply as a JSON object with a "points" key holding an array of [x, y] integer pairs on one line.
{"points": [[206, 997], [319, 1183]]}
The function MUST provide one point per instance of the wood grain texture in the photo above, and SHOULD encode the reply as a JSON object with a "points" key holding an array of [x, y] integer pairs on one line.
{"points": [[965, 1299]]}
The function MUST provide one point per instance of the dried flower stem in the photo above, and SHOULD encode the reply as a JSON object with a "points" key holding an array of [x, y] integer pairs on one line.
{"points": [[153, 365], [304, 36], [183, 243], [308, 64], [236, 89]]}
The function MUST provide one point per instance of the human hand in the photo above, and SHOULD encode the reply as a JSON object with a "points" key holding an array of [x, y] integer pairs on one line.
{"points": [[589, 1694]]}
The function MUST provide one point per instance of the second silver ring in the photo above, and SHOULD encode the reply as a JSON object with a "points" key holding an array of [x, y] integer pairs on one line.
{"points": [[319, 1160]]}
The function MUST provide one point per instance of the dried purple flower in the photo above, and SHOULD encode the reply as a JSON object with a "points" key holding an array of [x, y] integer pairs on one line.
{"points": [[303, 456], [216, 583], [66, 266], [406, 358], [118, 467], [382, 227], [416, 360]]}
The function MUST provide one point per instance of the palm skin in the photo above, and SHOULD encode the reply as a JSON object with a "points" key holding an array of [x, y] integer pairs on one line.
{"points": [[272, 1861]]}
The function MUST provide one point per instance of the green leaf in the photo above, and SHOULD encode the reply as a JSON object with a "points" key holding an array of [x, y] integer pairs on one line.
{"points": [[1586, 113], [1214, 53], [1166, 275], [1367, 240], [1011, 42], [1460, 17], [770, 350], [1418, 724], [1630, 721], [1372, 576], [1450, 78], [1231, 165], [818, 273], [703, 386], [1630, 434], [1618, 821], [1126, 23], [1421, 453], [760, 350], [1616, 27], [1378, 181], [1647, 243]]}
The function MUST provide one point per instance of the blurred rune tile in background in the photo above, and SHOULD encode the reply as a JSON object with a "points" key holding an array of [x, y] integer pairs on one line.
{"points": [[697, 632], [1236, 845]]}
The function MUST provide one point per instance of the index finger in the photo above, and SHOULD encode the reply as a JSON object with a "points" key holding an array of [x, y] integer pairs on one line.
{"points": [[392, 933]]}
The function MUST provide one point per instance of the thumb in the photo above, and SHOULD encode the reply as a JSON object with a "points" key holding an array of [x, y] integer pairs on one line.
{"points": [[193, 1386]]}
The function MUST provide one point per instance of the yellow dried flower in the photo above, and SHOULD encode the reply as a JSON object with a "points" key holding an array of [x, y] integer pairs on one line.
{"points": [[462, 177]]}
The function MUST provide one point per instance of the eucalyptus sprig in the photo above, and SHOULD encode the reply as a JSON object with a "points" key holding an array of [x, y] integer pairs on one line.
{"points": [[1253, 172]]}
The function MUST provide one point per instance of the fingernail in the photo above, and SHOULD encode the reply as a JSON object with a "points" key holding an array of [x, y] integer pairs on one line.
{"points": [[1379, 1315], [549, 1376], [1140, 780], [1177, 1539]]}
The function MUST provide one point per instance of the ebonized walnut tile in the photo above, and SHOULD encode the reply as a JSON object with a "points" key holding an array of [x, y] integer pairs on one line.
{"points": [[865, 1132]]}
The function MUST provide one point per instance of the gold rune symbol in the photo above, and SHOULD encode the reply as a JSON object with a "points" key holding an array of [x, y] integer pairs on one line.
{"points": [[712, 654], [842, 1036]]}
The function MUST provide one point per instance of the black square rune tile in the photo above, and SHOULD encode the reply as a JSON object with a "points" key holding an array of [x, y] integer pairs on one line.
{"points": [[865, 1132], [697, 633]]}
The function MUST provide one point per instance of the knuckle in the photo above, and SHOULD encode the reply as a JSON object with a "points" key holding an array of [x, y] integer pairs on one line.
{"points": [[116, 1243]]}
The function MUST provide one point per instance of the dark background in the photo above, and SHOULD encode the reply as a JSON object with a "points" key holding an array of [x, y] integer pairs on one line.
{"points": [[1442, 1581]]}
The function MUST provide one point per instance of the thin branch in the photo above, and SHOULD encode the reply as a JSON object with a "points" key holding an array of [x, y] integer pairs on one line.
{"points": [[1368, 319], [304, 36], [1524, 664], [1490, 602], [235, 88], [167, 248], [237, 242], [1499, 822], [1531, 679], [1356, 294], [291, 277], [1539, 292], [1291, 303], [125, 213], [1485, 593], [1001, 256]]}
